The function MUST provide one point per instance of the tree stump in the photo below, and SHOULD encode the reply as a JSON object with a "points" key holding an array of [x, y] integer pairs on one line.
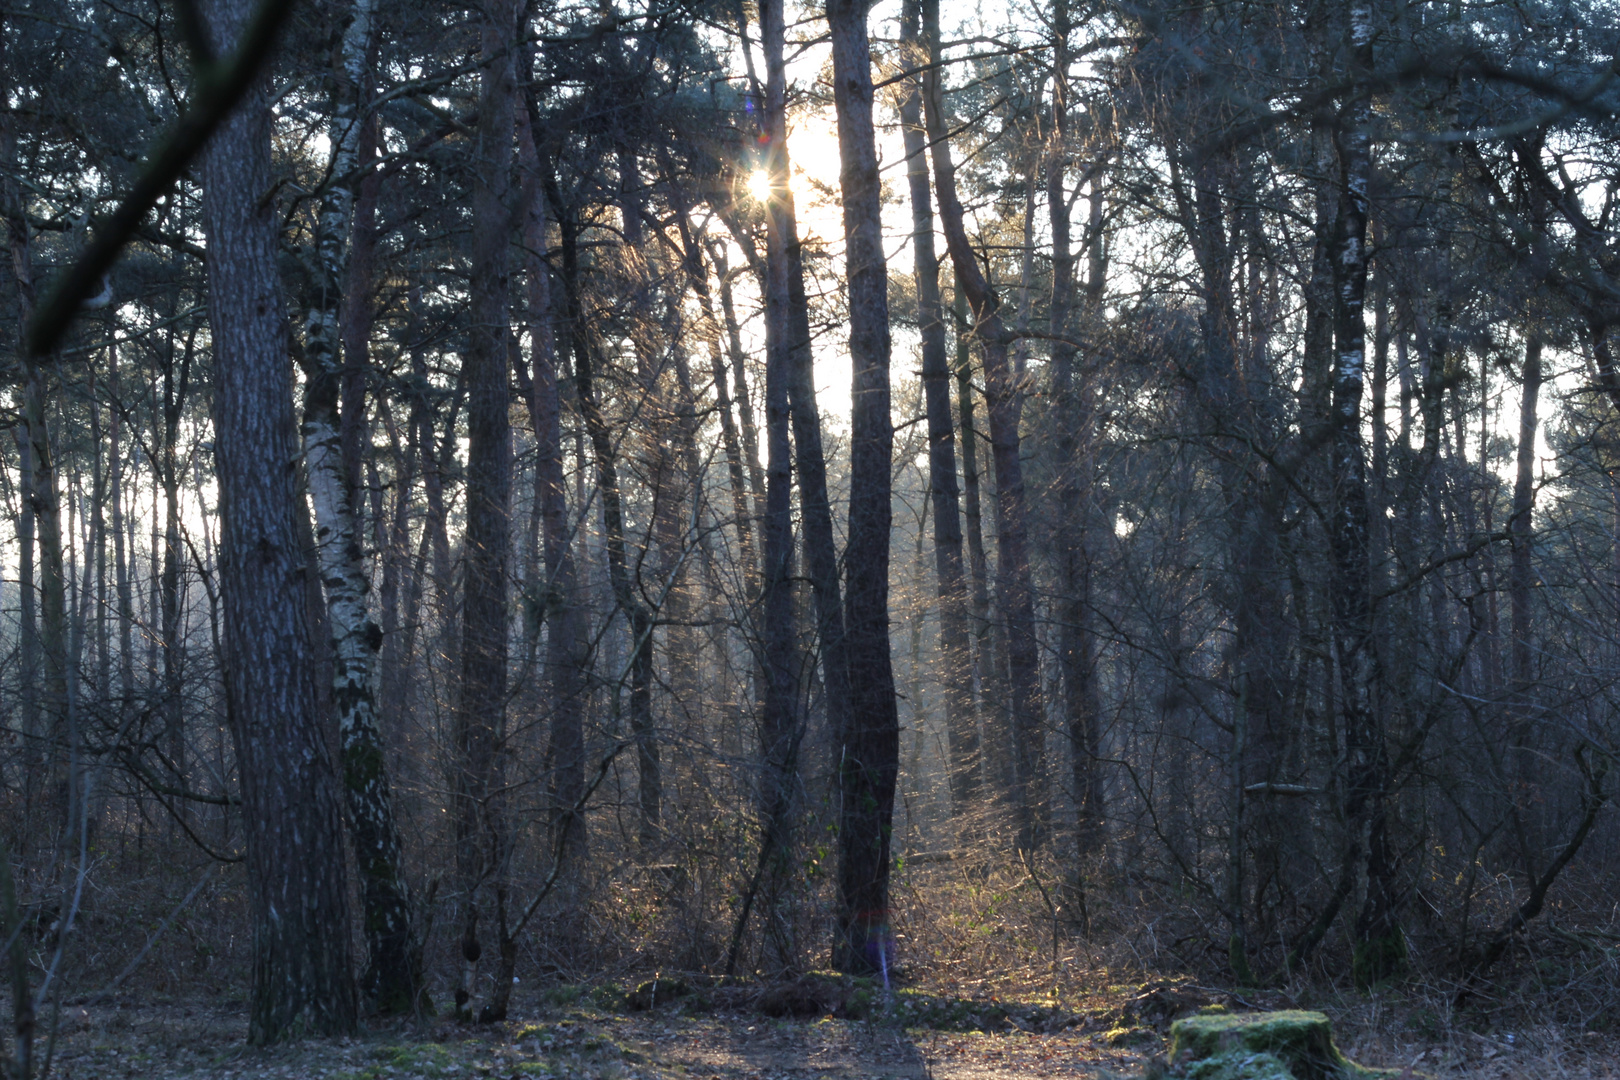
{"points": [[1289, 1045]]}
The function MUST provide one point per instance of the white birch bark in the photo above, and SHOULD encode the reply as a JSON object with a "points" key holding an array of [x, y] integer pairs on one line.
{"points": [[392, 979]]}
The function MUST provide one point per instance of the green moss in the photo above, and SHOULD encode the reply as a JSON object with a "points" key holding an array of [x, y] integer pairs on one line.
{"points": [[1301, 1041], [1240, 1065], [608, 997]]}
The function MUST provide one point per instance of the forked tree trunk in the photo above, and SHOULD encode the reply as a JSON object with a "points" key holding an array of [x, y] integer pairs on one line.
{"points": [[291, 816]]}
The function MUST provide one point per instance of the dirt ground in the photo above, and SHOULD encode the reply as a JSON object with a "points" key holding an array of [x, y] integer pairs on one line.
{"points": [[196, 1041], [580, 1042]]}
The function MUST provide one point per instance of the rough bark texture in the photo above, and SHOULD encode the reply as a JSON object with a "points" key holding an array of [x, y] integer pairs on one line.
{"points": [[291, 818], [868, 752], [480, 720]]}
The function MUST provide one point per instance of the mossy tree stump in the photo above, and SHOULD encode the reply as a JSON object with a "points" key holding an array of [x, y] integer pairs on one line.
{"points": [[1290, 1045]]}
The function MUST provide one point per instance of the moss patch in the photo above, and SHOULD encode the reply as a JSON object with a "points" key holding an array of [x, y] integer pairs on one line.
{"points": [[1258, 1065], [1253, 1046]]}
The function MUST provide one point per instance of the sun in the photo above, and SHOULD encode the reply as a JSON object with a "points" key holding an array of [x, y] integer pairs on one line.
{"points": [[759, 185]]}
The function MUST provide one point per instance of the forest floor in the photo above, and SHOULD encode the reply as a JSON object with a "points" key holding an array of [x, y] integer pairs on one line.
{"points": [[1111, 1034]]}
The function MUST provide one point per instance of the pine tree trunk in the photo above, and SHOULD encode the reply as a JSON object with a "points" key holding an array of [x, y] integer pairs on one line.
{"points": [[663, 533], [869, 752], [301, 976], [480, 721], [121, 553], [53, 613], [990, 702], [820, 544], [172, 704], [739, 376]]}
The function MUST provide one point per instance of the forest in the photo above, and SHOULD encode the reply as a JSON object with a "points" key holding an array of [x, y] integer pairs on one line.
{"points": [[511, 507]]}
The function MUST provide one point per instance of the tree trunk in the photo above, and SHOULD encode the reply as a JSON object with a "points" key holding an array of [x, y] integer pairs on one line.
{"points": [[33, 735], [960, 723], [121, 553], [1073, 409], [1521, 578], [301, 977], [781, 728], [1380, 949], [820, 545], [662, 539], [172, 706], [990, 703], [868, 752], [480, 722], [393, 978], [1014, 581], [739, 378], [565, 644]]}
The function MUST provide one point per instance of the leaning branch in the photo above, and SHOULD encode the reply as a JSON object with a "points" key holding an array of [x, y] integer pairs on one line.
{"points": [[218, 86], [1592, 800]]}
